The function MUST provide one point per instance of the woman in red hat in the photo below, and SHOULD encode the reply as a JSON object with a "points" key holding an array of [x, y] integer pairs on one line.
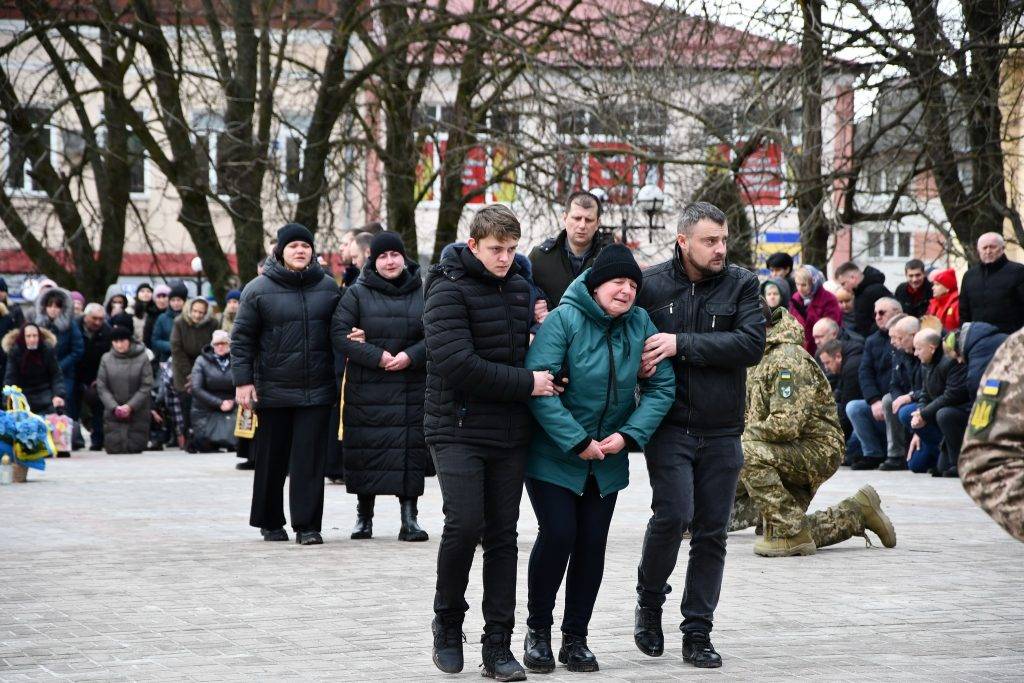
{"points": [[945, 303]]}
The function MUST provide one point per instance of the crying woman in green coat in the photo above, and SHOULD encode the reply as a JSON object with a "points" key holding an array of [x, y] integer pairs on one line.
{"points": [[579, 456]]}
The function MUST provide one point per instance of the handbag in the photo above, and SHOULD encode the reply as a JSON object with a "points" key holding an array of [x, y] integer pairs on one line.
{"points": [[217, 431]]}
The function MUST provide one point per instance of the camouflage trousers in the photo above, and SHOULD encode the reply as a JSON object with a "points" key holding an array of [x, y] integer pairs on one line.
{"points": [[778, 482]]}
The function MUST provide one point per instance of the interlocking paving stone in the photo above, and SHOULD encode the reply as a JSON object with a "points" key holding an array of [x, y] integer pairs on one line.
{"points": [[143, 568]]}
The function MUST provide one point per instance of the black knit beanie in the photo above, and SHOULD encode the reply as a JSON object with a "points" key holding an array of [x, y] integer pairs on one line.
{"points": [[614, 261], [178, 289], [292, 232], [119, 333], [386, 241]]}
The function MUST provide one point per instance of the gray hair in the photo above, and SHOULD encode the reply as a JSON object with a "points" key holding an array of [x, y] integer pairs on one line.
{"points": [[930, 336], [1000, 240], [890, 303], [94, 309], [695, 213], [829, 323], [908, 324]]}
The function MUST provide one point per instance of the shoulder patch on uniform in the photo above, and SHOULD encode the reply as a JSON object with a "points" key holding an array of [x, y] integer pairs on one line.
{"points": [[992, 387], [785, 378], [982, 414]]}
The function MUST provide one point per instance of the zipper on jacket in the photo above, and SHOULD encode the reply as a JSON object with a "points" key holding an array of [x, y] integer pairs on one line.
{"points": [[512, 344], [713, 318], [305, 341], [691, 320]]}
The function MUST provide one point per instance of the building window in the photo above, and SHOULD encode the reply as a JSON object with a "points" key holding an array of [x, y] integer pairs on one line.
{"points": [[889, 244], [20, 164]]}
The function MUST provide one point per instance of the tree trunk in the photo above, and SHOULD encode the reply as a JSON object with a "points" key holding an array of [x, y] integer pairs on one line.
{"points": [[810, 197]]}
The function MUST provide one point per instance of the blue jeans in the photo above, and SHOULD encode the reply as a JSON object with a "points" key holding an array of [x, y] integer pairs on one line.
{"points": [[870, 432], [927, 455]]}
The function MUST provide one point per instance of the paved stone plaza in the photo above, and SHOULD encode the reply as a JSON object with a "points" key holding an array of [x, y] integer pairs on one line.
{"points": [[143, 567]]}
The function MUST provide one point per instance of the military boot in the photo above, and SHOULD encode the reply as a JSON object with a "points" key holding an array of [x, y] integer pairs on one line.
{"points": [[869, 506], [776, 546], [499, 663]]}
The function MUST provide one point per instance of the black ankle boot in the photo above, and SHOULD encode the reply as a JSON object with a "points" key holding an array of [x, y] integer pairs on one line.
{"points": [[537, 655], [274, 534], [411, 530], [576, 655], [499, 663], [364, 518], [448, 640], [698, 650], [647, 633]]}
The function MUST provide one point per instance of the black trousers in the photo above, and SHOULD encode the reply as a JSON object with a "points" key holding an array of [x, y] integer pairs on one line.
{"points": [[289, 442], [481, 488], [953, 423], [572, 530], [694, 483]]}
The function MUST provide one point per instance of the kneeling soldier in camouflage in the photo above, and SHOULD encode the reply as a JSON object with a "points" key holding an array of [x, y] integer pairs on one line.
{"points": [[792, 444]]}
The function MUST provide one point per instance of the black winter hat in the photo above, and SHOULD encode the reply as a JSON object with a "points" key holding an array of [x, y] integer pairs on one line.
{"points": [[119, 333], [386, 241], [615, 260], [178, 289], [292, 232], [3, 285], [144, 285]]}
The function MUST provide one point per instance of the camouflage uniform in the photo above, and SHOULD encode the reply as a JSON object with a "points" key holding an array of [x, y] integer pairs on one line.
{"points": [[992, 460], [792, 444]]}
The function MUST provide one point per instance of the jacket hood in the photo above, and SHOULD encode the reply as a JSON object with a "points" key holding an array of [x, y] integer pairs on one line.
{"points": [[522, 260], [187, 317], [786, 331], [782, 286], [136, 349], [374, 280], [461, 262], [276, 271], [578, 296], [11, 338], [872, 276], [67, 311], [976, 333]]}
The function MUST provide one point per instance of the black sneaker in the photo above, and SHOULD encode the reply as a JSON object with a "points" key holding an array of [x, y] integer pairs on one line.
{"points": [[866, 464], [499, 663], [537, 655], [447, 651], [698, 650], [308, 538], [576, 655], [647, 633], [274, 534], [893, 465]]}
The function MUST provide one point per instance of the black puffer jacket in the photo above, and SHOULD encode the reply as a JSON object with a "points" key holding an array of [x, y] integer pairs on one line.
{"points": [[281, 339], [477, 330], [211, 385], [36, 372], [994, 293], [943, 383], [720, 332], [383, 417], [871, 289]]}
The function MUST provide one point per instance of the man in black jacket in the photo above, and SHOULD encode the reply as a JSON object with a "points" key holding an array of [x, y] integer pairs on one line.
{"points": [[559, 260], [476, 320], [993, 290], [943, 391], [906, 379], [96, 335], [867, 286], [915, 293], [711, 329], [842, 362]]}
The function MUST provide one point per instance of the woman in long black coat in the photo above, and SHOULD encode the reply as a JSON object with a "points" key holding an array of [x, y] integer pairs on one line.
{"points": [[32, 365], [379, 325], [282, 363]]}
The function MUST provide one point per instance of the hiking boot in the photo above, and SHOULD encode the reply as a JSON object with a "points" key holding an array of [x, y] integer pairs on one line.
{"points": [[448, 640], [499, 663], [698, 650], [364, 518], [411, 530], [308, 538], [866, 464], [647, 633], [774, 546], [537, 655], [576, 655], [869, 506], [893, 465], [274, 534]]}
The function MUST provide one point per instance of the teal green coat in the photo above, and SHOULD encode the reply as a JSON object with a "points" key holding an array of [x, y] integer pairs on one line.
{"points": [[603, 358]]}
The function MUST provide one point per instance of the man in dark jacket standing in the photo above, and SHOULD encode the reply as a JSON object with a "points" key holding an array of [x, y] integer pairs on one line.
{"points": [[711, 329], [476, 321], [915, 292], [282, 363], [867, 286], [559, 260], [993, 290]]}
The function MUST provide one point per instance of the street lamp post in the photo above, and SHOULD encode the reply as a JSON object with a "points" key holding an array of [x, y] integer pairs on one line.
{"points": [[650, 200], [197, 268]]}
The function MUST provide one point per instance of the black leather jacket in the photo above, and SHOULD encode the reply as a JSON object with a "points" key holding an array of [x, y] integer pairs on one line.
{"points": [[720, 332]]}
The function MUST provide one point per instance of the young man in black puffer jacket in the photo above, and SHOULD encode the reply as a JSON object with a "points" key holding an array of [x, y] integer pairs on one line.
{"points": [[476, 320]]}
